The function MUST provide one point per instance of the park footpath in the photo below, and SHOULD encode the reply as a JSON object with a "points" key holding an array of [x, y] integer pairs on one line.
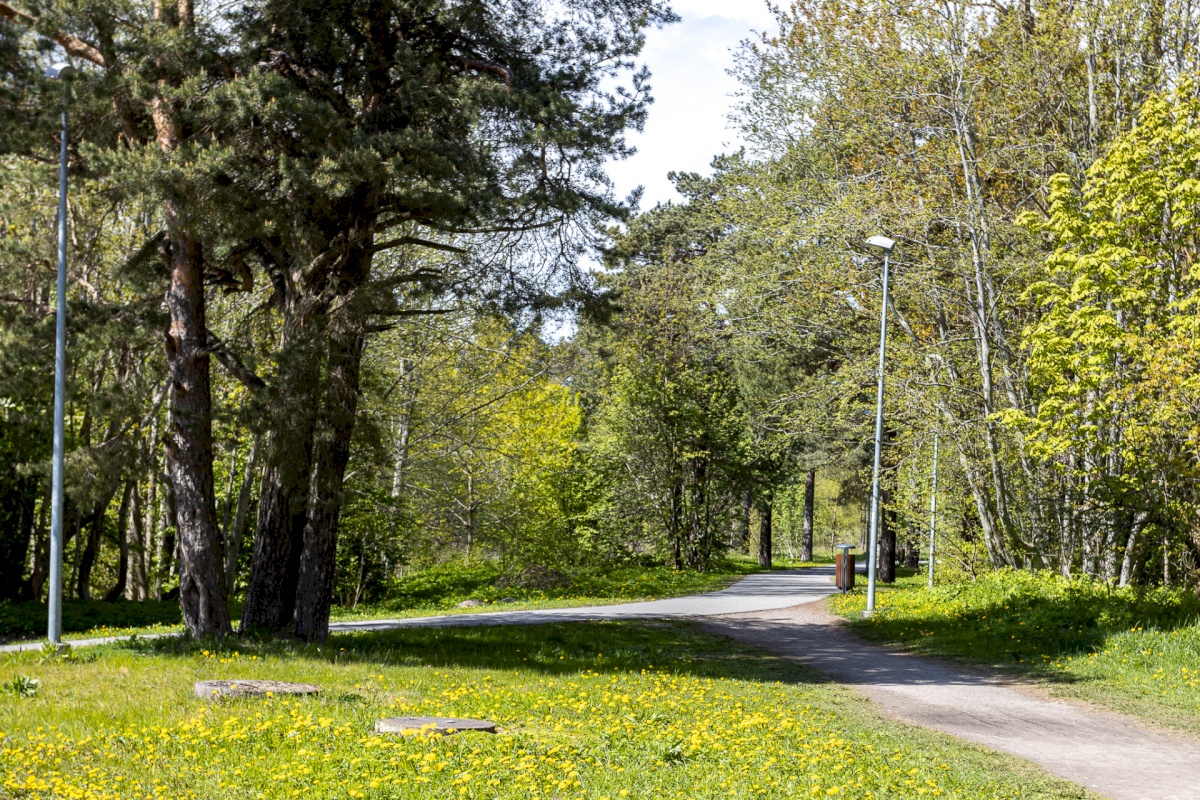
{"points": [[780, 612]]}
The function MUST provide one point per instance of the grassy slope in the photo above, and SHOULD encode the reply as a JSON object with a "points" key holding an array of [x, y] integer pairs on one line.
{"points": [[604, 710], [1138, 653], [439, 590], [434, 591]]}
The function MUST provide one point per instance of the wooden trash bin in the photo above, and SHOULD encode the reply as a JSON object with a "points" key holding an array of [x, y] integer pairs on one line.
{"points": [[844, 570]]}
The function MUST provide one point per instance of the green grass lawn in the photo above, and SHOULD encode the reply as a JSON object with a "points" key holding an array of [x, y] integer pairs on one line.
{"points": [[590, 710], [1131, 650], [434, 591]]}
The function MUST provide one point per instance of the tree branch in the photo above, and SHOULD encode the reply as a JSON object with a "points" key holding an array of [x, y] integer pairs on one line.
{"points": [[518, 228], [232, 363], [69, 42], [403, 240], [503, 73]]}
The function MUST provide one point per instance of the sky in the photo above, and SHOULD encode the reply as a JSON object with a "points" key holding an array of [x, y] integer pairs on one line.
{"points": [[692, 93]]}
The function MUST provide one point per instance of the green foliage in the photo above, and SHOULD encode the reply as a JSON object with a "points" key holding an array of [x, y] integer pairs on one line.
{"points": [[1113, 350], [22, 686]]}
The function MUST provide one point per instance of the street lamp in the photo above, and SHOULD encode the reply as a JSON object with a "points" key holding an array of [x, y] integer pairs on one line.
{"points": [[60, 71], [933, 509], [885, 244]]}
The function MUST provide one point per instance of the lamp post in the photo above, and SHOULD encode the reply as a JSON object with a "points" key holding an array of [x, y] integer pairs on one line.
{"points": [[885, 244], [60, 71], [933, 509]]}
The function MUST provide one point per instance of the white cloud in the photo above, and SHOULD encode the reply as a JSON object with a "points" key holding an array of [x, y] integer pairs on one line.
{"points": [[688, 124]]}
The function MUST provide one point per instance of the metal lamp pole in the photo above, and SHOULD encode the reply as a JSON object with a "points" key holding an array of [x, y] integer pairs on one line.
{"points": [[933, 509], [59, 71], [885, 244]]}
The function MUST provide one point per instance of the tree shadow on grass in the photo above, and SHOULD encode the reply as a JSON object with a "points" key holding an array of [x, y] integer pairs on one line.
{"points": [[1029, 633], [552, 649]]}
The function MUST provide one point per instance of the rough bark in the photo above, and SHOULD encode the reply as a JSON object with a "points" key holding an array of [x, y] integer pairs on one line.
{"points": [[697, 529], [674, 532], [810, 491], [744, 520], [189, 443], [40, 571], [764, 534], [283, 493], [17, 498], [138, 574], [123, 512], [166, 540], [887, 541], [89, 554], [331, 453]]}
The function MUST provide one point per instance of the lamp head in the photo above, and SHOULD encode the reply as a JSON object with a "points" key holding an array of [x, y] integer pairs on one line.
{"points": [[882, 242], [60, 71]]}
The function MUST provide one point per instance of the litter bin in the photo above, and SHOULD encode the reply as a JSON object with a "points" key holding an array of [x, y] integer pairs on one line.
{"points": [[844, 567]]}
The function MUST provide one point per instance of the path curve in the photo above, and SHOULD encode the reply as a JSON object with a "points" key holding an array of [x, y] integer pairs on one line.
{"points": [[1110, 754], [764, 591]]}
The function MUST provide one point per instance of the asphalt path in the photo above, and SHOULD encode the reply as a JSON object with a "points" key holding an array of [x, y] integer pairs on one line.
{"points": [[760, 592], [765, 591]]}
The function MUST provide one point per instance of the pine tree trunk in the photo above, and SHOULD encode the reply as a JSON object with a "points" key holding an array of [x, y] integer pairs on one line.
{"points": [[810, 491], [675, 527], [118, 590], [744, 520], [17, 496], [331, 454], [887, 540], [189, 442], [696, 529], [764, 535], [284, 491], [91, 551], [137, 558], [166, 539]]}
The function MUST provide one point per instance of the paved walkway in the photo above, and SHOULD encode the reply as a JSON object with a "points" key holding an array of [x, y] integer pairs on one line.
{"points": [[762, 592], [1110, 754]]}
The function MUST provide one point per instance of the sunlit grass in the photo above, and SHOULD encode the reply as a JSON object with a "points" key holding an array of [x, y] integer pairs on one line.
{"points": [[600, 710], [1132, 650]]}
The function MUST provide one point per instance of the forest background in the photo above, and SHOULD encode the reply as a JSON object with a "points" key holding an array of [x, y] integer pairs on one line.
{"points": [[369, 213]]}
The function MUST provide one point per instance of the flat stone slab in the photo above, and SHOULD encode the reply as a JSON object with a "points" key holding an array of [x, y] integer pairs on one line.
{"points": [[252, 688], [411, 726]]}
